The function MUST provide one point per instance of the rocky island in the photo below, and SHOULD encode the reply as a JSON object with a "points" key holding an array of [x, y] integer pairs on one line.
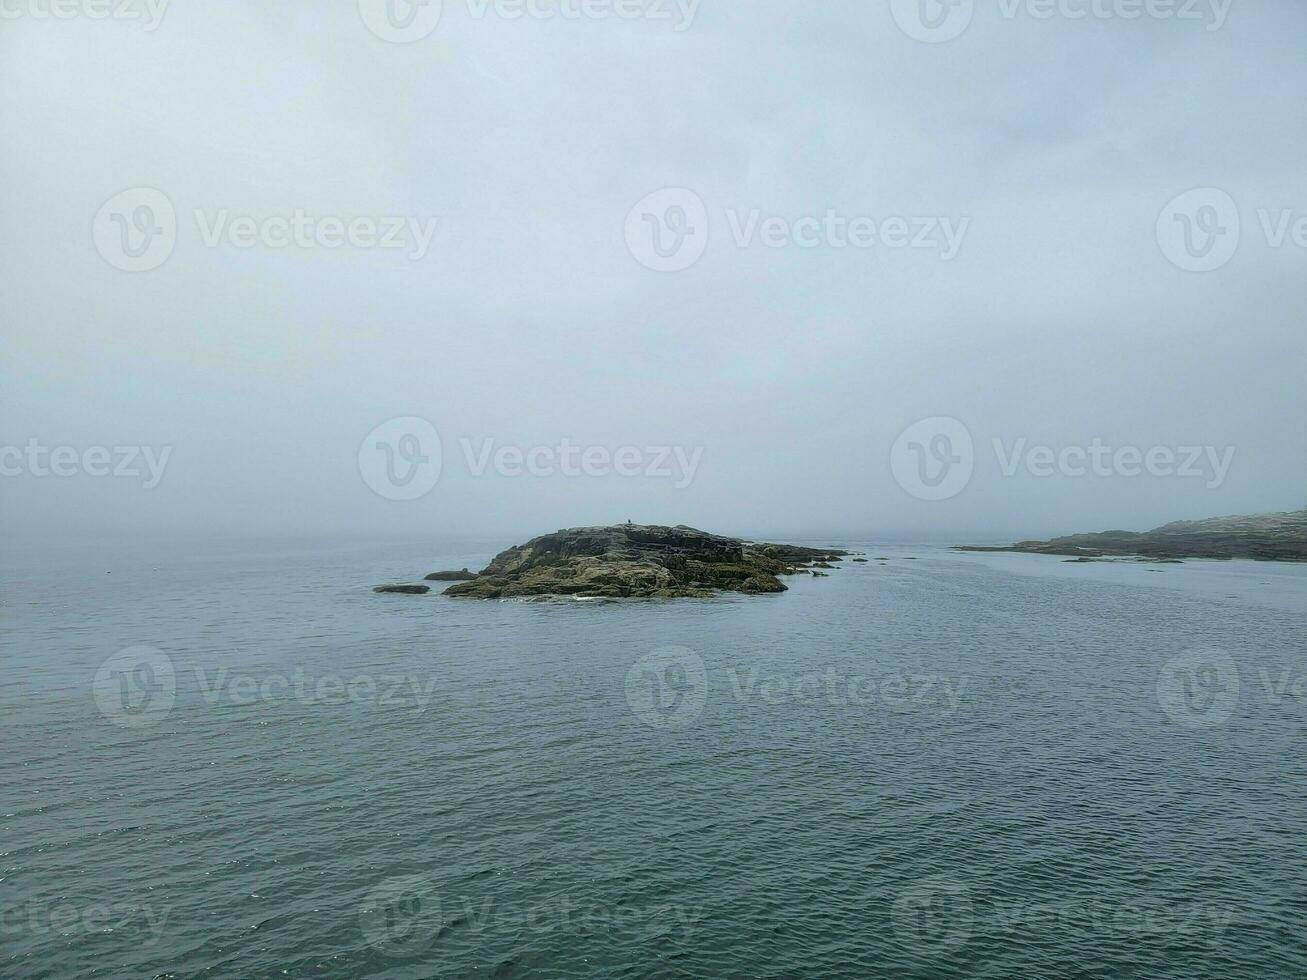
{"points": [[1261, 537], [461, 576], [640, 561]]}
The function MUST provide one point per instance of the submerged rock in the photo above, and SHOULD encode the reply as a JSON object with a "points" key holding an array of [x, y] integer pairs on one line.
{"points": [[639, 561], [403, 589], [463, 576]]}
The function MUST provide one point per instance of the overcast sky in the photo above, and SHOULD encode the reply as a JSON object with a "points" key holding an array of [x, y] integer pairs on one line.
{"points": [[990, 241]]}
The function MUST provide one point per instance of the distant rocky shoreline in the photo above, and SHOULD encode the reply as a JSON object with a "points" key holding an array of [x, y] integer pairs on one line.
{"points": [[634, 561], [1259, 537]]}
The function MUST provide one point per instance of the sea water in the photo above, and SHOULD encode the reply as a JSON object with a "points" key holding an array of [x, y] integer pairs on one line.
{"points": [[223, 759]]}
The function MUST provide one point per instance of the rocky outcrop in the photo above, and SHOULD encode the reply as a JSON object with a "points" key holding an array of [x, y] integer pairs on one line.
{"points": [[639, 561], [1262, 537], [463, 576]]}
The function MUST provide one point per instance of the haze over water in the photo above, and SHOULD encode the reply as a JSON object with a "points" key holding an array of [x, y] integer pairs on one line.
{"points": [[299, 299]]}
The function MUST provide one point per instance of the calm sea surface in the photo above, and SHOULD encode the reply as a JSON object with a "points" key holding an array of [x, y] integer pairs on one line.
{"points": [[237, 761]]}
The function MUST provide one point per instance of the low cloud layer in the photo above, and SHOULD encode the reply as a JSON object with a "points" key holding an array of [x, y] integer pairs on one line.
{"points": [[893, 269]]}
